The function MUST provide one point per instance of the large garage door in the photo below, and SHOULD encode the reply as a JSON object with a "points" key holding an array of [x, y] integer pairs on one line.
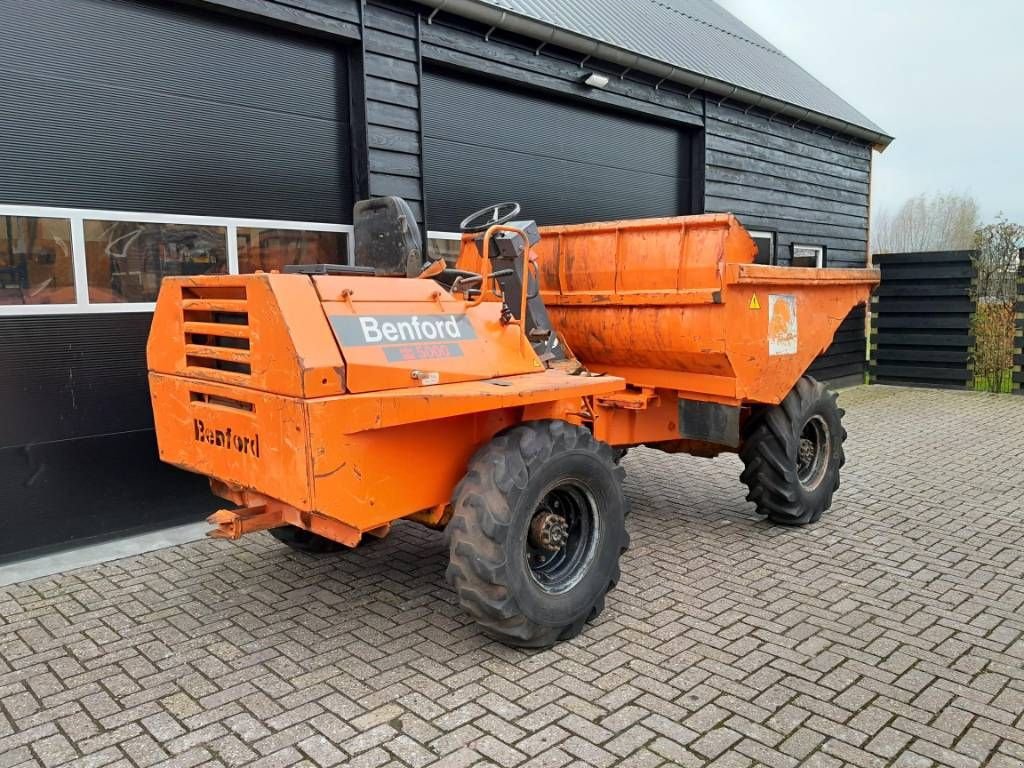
{"points": [[146, 108], [566, 162], [140, 106]]}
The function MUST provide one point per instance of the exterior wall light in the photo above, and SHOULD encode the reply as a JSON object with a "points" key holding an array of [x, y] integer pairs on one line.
{"points": [[594, 80]]}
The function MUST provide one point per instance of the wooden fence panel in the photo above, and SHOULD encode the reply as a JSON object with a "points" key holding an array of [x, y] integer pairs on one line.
{"points": [[1018, 360], [921, 319]]}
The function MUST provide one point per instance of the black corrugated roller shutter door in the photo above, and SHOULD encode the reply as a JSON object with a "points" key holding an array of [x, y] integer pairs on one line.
{"points": [[160, 107], [565, 161]]}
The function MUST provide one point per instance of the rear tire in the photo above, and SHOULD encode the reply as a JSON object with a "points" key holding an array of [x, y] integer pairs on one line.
{"points": [[537, 532], [310, 543], [792, 454]]}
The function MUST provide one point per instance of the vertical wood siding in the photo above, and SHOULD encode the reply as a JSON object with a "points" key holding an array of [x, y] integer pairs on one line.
{"points": [[392, 61], [1018, 344]]}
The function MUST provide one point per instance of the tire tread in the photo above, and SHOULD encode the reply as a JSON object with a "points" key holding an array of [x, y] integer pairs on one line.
{"points": [[769, 453], [482, 518]]}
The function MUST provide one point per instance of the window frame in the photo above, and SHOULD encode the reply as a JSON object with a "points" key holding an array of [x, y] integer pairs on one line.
{"points": [[773, 258], [436, 234], [820, 262], [78, 216]]}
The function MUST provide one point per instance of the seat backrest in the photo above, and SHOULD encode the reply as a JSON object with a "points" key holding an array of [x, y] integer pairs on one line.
{"points": [[387, 237]]}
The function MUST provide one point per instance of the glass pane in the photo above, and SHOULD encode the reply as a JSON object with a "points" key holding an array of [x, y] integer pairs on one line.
{"points": [[126, 260], [36, 266], [764, 244], [443, 248], [806, 256], [269, 249]]}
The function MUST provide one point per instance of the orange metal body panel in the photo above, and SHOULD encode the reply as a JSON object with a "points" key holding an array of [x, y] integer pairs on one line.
{"points": [[294, 415], [652, 418], [494, 349], [290, 349], [342, 403], [676, 304], [264, 448], [383, 455]]}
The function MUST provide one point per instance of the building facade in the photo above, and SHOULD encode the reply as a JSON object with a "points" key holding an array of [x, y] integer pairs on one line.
{"points": [[146, 139]]}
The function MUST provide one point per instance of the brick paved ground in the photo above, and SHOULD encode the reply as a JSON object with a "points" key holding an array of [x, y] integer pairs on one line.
{"points": [[888, 634]]}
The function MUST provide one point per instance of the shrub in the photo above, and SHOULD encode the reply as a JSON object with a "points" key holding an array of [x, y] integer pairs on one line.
{"points": [[993, 345]]}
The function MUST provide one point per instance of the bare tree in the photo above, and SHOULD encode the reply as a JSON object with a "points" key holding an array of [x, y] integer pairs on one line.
{"points": [[999, 245], [940, 222]]}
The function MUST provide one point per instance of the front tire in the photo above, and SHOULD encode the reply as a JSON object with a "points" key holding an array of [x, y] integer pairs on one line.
{"points": [[536, 533], [792, 454]]}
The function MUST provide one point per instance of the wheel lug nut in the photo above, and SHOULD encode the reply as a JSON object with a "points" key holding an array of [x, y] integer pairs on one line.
{"points": [[548, 531]]}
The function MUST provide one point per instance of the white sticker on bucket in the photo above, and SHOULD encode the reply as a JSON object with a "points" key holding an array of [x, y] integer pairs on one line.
{"points": [[781, 324]]}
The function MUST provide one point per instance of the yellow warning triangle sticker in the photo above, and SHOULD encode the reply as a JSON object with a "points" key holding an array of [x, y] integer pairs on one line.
{"points": [[754, 303]]}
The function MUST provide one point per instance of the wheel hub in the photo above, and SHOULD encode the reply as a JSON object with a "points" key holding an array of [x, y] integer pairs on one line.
{"points": [[549, 531], [561, 540], [807, 451], [814, 452]]}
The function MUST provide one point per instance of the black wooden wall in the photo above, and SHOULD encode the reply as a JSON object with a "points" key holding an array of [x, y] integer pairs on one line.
{"points": [[921, 324], [1018, 358], [394, 132], [806, 187]]}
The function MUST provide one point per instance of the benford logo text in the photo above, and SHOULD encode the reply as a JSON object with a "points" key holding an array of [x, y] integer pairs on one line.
{"points": [[373, 330], [377, 330], [227, 439]]}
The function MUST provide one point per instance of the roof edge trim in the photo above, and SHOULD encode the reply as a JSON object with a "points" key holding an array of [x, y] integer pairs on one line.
{"points": [[513, 22]]}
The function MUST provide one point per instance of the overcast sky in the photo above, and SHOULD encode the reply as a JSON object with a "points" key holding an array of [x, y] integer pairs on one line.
{"points": [[945, 78]]}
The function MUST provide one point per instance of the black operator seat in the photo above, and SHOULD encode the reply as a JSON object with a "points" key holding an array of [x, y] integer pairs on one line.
{"points": [[387, 237]]}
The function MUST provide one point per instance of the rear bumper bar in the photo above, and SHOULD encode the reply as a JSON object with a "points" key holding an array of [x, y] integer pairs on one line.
{"points": [[259, 513]]}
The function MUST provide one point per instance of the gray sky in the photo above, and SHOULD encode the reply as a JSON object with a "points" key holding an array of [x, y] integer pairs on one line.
{"points": [[945, 78]]}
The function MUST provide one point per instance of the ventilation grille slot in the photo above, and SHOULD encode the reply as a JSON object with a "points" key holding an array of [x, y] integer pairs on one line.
{"points": [[216, 324], [223, 402]]}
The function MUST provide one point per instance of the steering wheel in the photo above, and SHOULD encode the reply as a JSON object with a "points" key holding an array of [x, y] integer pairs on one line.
{"points": [[480, 220]]}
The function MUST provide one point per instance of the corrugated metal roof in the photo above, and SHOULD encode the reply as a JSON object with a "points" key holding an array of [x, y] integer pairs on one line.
{"points": [[697, 36]]}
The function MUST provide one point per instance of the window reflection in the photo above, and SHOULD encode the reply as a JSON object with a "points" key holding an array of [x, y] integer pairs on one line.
{"points": [[807, 256], [444, 248], [269, 249], [126, 260], [36, 266]]}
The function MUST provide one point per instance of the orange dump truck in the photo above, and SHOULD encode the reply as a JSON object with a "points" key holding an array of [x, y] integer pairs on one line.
{"points": [[495, 399]]}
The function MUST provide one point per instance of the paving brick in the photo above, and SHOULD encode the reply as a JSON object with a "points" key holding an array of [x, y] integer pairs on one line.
{"points": [[802, 742], [887, 634], [716, 742], [54, 750], [321, 751]]}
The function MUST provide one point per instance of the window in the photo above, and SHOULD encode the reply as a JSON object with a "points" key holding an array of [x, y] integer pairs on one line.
{"points": [[60, 260], [765, 242], [126, 260], [444, 245], [36, 261], [807, 255], [270, 248]]}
